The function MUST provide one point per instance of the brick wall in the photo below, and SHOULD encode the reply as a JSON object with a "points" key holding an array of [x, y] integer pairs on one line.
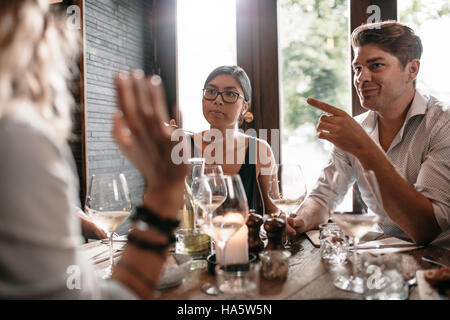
{"points": [[117, 38]]}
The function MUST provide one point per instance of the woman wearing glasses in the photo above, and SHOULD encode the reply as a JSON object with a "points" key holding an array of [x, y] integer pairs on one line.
{"points": [[226, 98]]}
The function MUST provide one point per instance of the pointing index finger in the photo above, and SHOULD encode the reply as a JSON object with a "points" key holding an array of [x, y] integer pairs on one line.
{"points": [[325, 107]]}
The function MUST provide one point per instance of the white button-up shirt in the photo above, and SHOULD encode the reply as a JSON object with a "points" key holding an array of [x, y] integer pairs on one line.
{"points": [[420, 152]]}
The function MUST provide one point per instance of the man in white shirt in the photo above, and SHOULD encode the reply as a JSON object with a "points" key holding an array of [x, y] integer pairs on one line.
{"points": [[404, 139]]}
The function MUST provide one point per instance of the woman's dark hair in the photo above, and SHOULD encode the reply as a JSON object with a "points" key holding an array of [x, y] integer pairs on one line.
{"points": [[238, 73]]}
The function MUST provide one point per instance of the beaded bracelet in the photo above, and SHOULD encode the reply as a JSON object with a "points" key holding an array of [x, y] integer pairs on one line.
{"points": [[166, 226], [158, 248], [149, 283]]}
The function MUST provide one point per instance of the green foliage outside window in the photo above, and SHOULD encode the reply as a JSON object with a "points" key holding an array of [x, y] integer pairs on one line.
{"points": [[315, 53], [315, 57]]}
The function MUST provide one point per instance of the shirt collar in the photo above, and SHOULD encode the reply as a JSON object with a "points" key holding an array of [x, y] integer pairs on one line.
{"points": [[418, 107], [369, 120]]}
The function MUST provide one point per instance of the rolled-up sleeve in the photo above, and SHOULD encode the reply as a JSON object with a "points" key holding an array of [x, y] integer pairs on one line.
{"points": [[433, 180], [330, 190]]}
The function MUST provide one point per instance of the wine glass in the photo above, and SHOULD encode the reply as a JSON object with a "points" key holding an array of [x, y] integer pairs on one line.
{"points": [[108, 204], [356, 225], [287, 190]]}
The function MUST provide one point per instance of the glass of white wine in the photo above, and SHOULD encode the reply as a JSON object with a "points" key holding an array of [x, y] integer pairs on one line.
{"points": [[356, 226], [355, 223], [108, 204], [287, 189]]}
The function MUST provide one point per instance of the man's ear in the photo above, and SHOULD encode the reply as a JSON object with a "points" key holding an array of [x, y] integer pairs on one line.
{"points": [[413, 68]]}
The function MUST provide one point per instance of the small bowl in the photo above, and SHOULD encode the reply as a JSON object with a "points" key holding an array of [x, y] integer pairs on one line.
{"points": [[173, 275], [275, 264], [212, 264]]}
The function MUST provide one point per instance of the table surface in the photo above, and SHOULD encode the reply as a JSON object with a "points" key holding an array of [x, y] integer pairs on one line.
{"points": [[309, 278]]}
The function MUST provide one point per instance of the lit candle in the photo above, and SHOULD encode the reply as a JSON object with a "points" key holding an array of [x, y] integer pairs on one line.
{"points": [[236, 249]]}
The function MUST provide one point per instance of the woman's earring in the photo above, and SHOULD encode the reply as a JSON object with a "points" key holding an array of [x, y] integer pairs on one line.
{"points": [[248, 117]]}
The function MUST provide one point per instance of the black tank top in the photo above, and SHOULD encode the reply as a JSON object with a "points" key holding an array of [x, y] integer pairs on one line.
{"points": [[248, 175]]}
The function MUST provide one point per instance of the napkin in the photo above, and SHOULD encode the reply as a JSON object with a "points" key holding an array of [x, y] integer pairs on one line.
{"points": [[97, 251], [387, 245]]}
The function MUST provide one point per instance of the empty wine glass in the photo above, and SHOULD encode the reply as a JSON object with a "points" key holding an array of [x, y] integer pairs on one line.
{"points": [[287, 189], [108, 204]]}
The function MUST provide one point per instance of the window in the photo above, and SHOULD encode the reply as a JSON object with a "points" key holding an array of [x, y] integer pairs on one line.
{"points": [[430, 19], [314, 59], [206, 39]]}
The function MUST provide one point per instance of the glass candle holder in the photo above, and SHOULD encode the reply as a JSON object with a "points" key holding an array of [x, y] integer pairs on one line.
{"points": [[275, 264]]}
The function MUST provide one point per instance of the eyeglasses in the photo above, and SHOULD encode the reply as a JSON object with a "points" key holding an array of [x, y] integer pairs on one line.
{"points": [[227, 96]]}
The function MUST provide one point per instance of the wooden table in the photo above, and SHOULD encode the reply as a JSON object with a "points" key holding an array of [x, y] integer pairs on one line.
{"points": [[308, 279]]}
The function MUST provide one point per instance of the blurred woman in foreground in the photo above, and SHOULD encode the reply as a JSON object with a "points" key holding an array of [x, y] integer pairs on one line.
{"points": [[40, 239]]}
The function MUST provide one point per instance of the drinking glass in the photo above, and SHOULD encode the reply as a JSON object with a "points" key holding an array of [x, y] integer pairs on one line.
{"points": [[287, 189], [108, 204]]}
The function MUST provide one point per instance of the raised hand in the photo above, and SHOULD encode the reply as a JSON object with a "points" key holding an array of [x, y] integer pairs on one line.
{"points": [[140, 132], [341, 129]]}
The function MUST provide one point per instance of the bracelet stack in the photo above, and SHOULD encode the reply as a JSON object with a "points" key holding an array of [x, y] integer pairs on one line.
{"points": [[164, 226]]}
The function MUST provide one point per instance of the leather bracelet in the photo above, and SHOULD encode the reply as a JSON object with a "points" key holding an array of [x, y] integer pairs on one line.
{"points": [[158, 248], [166, 226], [138, 274]]}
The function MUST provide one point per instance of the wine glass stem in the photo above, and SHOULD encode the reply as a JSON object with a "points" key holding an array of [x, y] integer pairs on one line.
{"points": [[222, 246], [111, 260], [355, 255], [195, 215]]}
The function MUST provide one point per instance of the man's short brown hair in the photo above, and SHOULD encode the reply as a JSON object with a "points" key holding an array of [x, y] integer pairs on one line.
{"points": [[391, 36]]}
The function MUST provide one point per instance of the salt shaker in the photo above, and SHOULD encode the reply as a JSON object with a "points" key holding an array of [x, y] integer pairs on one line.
{"points": [[254, 222]]}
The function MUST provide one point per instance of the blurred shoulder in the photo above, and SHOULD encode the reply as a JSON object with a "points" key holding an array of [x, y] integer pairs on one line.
{"points": [[23, 131]]}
